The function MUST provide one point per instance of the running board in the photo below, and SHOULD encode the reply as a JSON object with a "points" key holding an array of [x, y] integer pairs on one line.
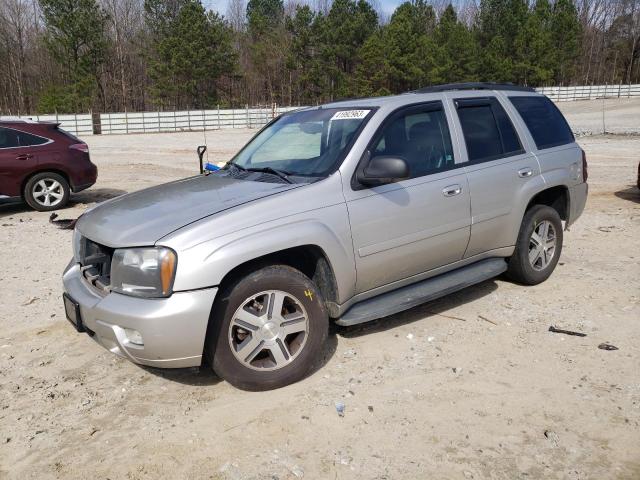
{"points": [[410, 296]]}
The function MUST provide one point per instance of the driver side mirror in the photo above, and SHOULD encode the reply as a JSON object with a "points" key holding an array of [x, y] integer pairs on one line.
{"points": [[382, 170]]}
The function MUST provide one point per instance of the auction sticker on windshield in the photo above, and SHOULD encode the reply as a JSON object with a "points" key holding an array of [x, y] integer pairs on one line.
{"points": [[350, 114]]}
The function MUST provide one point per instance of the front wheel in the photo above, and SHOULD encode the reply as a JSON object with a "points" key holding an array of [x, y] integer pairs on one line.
{"points": [[538, 246], [273, 325]]}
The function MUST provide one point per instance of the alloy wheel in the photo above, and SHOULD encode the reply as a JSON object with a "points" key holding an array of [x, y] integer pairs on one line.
{"points": [[48, 192], [542, 245], [269, 330]]}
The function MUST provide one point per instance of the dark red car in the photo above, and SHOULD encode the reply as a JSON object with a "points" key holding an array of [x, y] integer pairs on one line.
{"points": [[42, 164]]}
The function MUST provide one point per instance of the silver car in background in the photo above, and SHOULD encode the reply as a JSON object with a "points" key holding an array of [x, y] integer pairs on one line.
{"points": [[345, 212]]}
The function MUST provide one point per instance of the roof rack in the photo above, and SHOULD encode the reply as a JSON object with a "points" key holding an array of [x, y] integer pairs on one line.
{"points": [[474, 86]]}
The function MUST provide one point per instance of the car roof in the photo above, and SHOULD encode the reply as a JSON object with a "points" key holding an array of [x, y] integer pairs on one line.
{"points": [[428, 93]]}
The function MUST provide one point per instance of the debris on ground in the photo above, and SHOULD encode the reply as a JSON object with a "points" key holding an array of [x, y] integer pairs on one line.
{"points": [[566, 332], [607, 346], [447, 316], [30, 301], [63, 223], [486, 319], [553, 437], [340, 408]]}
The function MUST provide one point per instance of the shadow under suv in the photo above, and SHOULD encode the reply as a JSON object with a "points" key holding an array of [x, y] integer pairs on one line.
{"points": [[42, 164]]}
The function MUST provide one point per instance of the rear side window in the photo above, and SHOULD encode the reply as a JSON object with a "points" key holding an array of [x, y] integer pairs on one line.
{"points": [[543, 119], [8, 138], [26, 139], [488, 131], [68, 135]]}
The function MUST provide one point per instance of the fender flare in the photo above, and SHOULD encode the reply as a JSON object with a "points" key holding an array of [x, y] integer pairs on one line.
{"points": [[211, 261]]}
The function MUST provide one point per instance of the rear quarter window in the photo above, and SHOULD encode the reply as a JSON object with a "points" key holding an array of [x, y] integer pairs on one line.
{"points": [[26, 139], [68, 135], [543, 119]]}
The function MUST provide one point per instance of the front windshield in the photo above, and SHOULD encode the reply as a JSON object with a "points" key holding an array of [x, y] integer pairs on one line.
{"points": [[308, 143]]}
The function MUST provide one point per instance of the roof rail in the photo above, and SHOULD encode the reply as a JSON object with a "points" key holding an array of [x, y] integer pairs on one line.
{"points": [[474, 86], [11, 119]]}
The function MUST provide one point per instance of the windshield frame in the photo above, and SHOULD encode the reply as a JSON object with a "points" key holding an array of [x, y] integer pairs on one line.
{"points": [[339, 159]]}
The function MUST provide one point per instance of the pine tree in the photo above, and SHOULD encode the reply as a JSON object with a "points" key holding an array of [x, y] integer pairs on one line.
{"points": [[456, 50], [76, 39], [498, 26], [400, 55], [301, 56], [533, 47], [264, 15], [192, 52], [565, 33], [341, 34]]}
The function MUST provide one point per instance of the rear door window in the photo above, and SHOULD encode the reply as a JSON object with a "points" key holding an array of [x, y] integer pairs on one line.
{"points": [[8, 138], [488, 131], [543, 119]]}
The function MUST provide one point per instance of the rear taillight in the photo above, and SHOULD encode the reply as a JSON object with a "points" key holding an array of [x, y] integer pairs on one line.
{"points": [[585, 173], [82, 147]]}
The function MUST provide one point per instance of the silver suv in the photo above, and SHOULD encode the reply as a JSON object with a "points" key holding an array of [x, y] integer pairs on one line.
{"points": [[345, 212]]}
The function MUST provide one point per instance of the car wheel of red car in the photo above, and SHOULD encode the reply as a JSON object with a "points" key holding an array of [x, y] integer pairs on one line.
{"points": [[47, 191]]}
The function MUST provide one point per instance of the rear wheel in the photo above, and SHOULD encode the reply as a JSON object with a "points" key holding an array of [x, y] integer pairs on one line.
{"points": [[47, 191], [273, 327], [538, 247]]}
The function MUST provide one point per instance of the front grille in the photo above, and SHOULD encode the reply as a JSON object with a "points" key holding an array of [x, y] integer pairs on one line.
{"points": [[95, 263]]}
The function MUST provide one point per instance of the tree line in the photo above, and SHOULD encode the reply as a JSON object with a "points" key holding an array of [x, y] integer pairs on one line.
{"points": [[115, 55]]}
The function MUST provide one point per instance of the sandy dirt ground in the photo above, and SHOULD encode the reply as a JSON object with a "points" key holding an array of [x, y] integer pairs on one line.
{"points": [[611, 115], [469, 386]]}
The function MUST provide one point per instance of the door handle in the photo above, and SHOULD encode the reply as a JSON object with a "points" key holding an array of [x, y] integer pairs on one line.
{"points": [[451, 190], [24, 156], [525, 172]]}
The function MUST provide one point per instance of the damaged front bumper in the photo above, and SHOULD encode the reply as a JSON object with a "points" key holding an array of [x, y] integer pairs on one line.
{"points": [[157, 332]]}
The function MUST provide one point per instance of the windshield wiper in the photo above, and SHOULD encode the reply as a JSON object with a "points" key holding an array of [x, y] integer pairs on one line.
{"points": [[283, 174], [233, 164]]}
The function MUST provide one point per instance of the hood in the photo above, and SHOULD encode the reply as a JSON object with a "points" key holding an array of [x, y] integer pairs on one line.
{"points": [[143, 217]]}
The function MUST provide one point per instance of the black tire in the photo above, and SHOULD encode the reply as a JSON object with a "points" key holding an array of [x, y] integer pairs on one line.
{"points": [[47, 177], [219, 342], [520, 268]]}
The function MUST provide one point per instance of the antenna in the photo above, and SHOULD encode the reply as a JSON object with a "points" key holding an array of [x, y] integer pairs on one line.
{"points": [[204, 132]]}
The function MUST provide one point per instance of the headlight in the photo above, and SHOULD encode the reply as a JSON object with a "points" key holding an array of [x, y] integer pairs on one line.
{"points": [[143, 272], [77, 245]]}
